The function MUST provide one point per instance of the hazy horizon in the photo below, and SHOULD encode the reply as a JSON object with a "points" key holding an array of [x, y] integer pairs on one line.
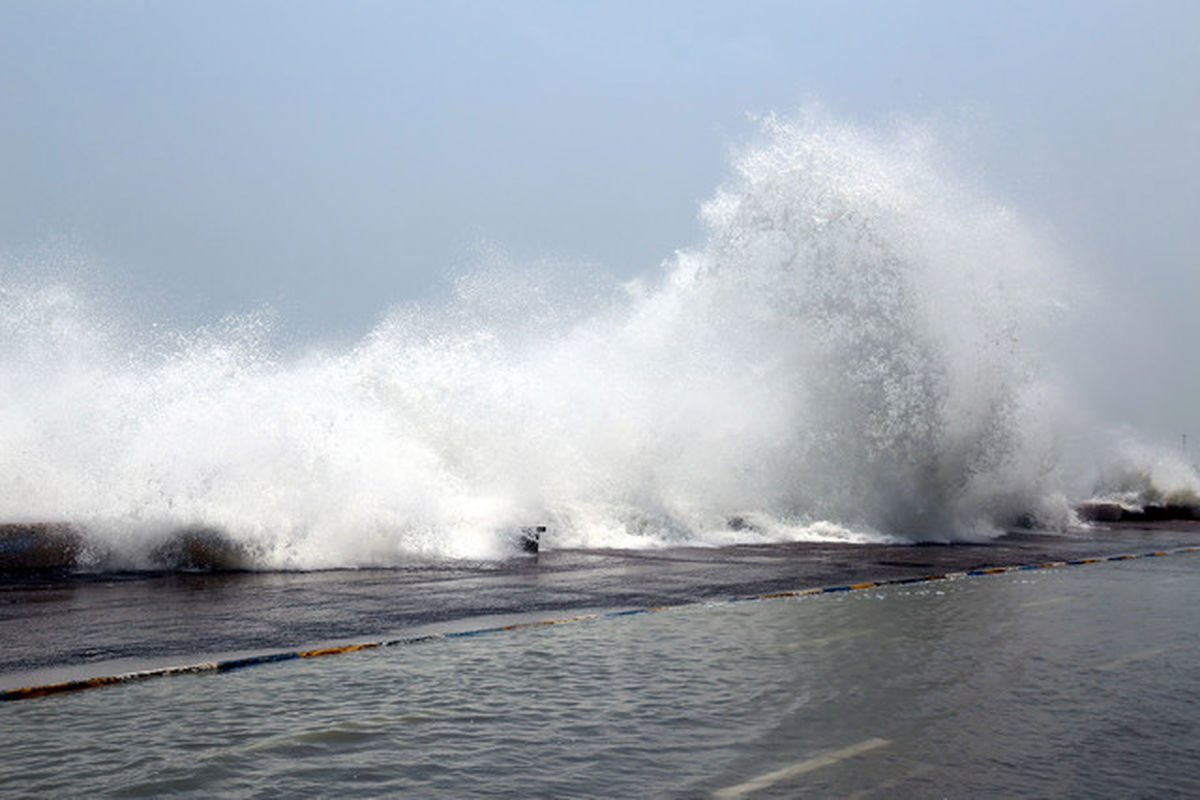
{"points": [[332, 161]]}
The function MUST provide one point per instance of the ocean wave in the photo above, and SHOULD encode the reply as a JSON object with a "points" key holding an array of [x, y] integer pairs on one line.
{"points": [[847, 355]]}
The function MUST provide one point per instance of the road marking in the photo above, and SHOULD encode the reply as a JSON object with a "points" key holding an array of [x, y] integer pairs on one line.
{"points": [[916, 772], [837, 637], [821, 641], [771, 778], [1049, 601], [1140, 655]]}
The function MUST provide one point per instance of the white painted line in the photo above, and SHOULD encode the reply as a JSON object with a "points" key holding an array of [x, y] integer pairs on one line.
{"points": [[763, 781], [917, 771], [838, 637], [1049, 601], [1140, 655], [822, 641]]}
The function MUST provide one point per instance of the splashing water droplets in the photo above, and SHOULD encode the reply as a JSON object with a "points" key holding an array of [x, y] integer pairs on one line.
{"points": [[844, 356]]}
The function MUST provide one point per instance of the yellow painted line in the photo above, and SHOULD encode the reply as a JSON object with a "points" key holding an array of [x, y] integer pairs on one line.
{"points": [[539, 623], [27, 692], [1140, 655], [795, 770], [867, 585], [330, 651]]}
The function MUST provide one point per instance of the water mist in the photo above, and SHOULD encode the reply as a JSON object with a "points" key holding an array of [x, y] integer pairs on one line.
{"points": [[846, 355]]}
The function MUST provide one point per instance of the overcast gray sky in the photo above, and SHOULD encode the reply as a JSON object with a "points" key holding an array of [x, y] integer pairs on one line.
{"points": [[333, 158]]}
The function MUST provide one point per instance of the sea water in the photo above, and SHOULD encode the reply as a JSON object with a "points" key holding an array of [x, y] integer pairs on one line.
{"points": [[852, 352], [1070, 682]]}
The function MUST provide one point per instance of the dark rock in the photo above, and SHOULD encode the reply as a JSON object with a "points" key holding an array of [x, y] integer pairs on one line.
{"points": [[531, 538], [201, 549], [1158, 513], [38, 546], [1153, 512], [1100, 512]]}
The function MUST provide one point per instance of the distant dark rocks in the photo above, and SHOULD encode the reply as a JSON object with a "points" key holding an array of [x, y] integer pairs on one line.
{"points": [[740, 523], [1099, 511], [28, 546], [531, 538], [201, 549], [31, 547]]}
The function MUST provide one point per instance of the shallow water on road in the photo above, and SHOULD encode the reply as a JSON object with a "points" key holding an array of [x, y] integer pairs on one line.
{"points": [[1078, 681]]}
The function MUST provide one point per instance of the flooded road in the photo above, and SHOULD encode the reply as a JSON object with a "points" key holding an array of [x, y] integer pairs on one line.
{"points": [[1079, 681], [80, 626]]}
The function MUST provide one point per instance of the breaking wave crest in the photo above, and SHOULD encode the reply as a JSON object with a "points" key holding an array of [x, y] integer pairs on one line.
{"points": [[847, 355]]}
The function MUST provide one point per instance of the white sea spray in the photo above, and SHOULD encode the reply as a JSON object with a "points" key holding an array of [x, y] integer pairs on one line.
{"points": [[847, 355]]}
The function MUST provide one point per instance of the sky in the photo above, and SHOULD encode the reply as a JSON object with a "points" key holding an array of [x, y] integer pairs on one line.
{"points": [[332, 159]]}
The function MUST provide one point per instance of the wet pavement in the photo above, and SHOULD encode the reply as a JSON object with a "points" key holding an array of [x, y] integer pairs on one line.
{"points": [[57, 627]]}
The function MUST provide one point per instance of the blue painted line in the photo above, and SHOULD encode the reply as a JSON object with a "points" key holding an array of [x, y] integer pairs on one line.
{"points": [[845, 588], [250, 661], [627, 613], [476, 632]]}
